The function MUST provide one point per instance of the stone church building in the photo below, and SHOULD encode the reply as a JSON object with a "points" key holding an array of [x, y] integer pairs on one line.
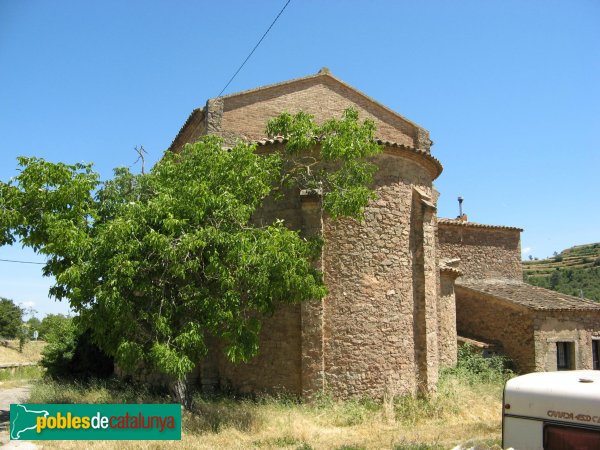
{"points": [[400, 282]]}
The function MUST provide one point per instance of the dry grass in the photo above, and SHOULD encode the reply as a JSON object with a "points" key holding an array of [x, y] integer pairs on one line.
{"points": [[32, 352], [461, 412]]}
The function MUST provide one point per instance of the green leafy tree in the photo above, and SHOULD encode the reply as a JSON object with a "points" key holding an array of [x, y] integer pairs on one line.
{"points": [[61, 339], [50, 323], [11, 317], [155, 262], [339, 166], [34, 324]]}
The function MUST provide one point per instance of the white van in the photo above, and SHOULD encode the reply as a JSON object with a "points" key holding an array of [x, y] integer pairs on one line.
{"points": [[552, 411]]}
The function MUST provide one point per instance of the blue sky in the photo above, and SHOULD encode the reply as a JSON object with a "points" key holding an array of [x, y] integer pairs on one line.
{"points": [[509, 90]]}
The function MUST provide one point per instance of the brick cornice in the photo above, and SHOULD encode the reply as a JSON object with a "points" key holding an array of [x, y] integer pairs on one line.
{"points": [[432, 164]]}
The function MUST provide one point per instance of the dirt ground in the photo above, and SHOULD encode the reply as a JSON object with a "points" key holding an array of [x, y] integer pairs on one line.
{"points": [[8, 396]]}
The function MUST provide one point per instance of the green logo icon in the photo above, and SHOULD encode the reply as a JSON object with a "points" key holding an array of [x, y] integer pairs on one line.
{"points": [[94, 422]]}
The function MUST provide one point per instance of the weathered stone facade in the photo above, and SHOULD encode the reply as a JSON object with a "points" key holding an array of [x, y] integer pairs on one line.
{"points": [[579, 328], [527, 322], [390, 320], [485, 251], [505, 324], [494, 305]]}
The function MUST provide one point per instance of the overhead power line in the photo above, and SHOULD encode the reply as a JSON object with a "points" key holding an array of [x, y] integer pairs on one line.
{"points": [[255, 47], [21, 262]]}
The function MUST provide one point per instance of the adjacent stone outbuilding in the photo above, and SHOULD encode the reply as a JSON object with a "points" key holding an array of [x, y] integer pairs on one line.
{"points": [[536, 328], [536, 324]]}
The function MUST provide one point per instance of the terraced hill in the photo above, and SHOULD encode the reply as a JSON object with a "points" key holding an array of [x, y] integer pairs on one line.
{"points": [[574, 271]]}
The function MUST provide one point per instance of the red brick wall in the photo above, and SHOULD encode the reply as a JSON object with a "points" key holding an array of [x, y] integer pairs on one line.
{"points": [[246, 115]]}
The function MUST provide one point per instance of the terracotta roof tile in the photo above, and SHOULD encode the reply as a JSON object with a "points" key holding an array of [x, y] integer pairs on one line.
{"points": [[475, 342], [531, 297], [188, 120], [389, 144], [461, 223]]}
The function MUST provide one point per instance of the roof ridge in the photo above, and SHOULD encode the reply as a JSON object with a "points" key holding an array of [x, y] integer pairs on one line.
{"points": [[324, 73], [461, 223]]}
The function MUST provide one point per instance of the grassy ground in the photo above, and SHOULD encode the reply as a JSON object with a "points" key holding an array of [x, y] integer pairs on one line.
{"points": [[19, 376], [32, 352], [463, 410]]}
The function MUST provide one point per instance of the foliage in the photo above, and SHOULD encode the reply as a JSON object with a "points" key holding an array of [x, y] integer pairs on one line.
{"points": [[155, 262], [571, 281], [52, 323], [57, 355], [473, 367], [209, 416], [574, 271], [49, 390], [10, 319], [33, 323], [71, 353], [341, 169], [20, 374]]}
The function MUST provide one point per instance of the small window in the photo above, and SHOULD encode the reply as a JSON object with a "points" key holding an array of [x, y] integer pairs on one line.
{"points": [[564, 356], [595, 355]]}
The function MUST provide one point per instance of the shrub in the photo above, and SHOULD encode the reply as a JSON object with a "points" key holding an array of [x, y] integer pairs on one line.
{"points": [[70, 353], [57, 355], [474, 367], [51, 323]]}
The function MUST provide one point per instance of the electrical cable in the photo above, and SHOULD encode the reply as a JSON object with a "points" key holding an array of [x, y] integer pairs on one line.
{"points": [[255, 47], [20, 262]]}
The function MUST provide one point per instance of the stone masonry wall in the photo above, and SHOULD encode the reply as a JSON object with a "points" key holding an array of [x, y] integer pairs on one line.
{"points": [[277, 367], [447, 344], [576, 327], [479, 315], [370, 333], [363, 339], [483, 252], [377, 330]]}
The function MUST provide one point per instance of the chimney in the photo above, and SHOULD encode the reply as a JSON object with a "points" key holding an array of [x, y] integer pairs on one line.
{"points": [[461, 216]]}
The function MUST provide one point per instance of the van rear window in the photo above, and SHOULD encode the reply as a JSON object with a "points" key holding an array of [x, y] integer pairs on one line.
{"points": [[570, 438]]}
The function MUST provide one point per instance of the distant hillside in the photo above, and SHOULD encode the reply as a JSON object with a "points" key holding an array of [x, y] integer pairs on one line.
{"points": [[572, 271]]}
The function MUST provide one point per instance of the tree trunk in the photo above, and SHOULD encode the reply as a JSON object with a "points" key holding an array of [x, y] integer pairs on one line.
{"points": [[181, 392]]}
